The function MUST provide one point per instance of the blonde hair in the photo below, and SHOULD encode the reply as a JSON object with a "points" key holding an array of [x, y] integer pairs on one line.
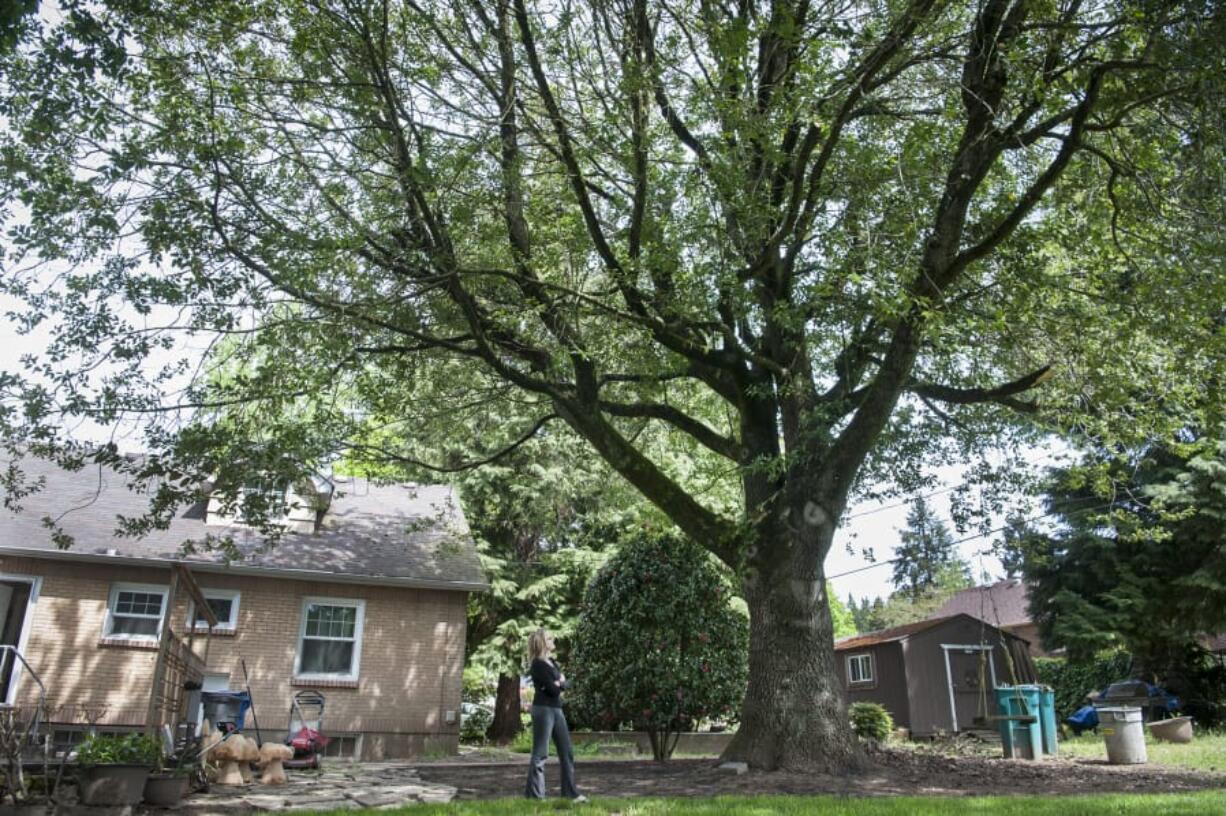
{"points": [[538, 644]]}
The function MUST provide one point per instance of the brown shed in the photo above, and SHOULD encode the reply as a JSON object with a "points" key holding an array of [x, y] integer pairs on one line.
{"points": [[935, 675]]}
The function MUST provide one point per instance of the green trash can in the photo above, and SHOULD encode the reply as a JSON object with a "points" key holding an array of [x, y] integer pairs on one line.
{"points": [[1047, 719], [1019, 738]]}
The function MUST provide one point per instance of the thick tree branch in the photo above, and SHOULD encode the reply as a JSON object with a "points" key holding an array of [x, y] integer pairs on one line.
{"points": [[471, 464], [702, 433], [1003, 394]]}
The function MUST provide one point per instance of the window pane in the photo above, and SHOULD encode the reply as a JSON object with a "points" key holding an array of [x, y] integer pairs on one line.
{"points": [[331, 621], [138, 603], [122, 625], [326, 657], [222, 609]]}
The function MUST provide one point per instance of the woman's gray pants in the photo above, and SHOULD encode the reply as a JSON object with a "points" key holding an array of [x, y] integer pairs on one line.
{"points": [[548, 720]]}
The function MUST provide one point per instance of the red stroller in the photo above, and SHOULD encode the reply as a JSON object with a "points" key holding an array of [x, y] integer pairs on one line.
{"points": [[305, 733]]}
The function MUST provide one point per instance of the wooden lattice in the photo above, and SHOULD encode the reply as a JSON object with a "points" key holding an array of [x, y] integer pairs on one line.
{"points": [[178, 665]]}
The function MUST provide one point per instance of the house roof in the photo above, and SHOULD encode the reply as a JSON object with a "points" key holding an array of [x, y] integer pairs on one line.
{"points": [[886, 635], [396, 534], [901, 633], [1004, 603]]}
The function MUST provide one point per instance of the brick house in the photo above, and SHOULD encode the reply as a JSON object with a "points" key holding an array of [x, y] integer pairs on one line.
{"points": [[364, 599]]}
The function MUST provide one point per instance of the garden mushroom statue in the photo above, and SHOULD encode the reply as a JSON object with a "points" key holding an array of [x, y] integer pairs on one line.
{"points": [[251, 753], [271, 757], [228, 754]]}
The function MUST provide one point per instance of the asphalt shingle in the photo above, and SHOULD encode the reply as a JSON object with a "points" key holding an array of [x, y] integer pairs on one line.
{"points": [[412, 534]]}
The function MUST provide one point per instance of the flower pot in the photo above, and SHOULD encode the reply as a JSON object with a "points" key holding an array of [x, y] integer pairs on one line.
{"points": [[165, 790], [1178, 729], [112, 784]]}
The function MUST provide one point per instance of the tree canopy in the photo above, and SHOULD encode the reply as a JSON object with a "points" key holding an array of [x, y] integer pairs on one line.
{"points": [[815, 244]]}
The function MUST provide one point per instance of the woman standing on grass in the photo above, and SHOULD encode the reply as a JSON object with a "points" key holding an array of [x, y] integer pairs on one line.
{"points": [[547, 718]]}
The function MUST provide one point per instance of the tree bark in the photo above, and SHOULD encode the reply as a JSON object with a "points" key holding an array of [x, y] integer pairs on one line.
{"points": [[794, 714], [507, 723]]}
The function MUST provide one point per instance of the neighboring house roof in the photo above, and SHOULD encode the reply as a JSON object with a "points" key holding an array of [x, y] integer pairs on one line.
{"points": [[898, 633], [397, 534], [1005, 603], [885, 635]]}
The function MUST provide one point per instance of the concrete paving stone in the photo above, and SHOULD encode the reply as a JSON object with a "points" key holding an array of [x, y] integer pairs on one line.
{"points": [[440, 795], [267, 801], [328, 804]]}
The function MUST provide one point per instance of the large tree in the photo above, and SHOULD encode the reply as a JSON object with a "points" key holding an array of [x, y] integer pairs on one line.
{"points": [[816, 242]]}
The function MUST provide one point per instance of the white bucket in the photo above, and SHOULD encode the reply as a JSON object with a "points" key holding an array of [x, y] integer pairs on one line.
{"points": [[1123, 731]]}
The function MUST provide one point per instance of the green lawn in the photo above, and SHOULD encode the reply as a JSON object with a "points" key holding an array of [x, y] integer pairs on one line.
{"points": [[1099, 805], [1207, 752]]}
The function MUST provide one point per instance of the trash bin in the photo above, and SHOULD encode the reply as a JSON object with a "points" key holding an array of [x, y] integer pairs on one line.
{"points": [[1047, 719], [1020, 730], [1124, 733], [226, 710]]}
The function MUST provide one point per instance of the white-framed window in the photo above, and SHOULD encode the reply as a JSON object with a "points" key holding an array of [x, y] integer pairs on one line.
{"points": [[274, 497], [134, 611], [330, 639], [860, 668], [223, 602]]}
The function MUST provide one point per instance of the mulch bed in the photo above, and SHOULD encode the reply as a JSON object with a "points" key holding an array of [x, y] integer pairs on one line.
{"points": [[893, 773]]}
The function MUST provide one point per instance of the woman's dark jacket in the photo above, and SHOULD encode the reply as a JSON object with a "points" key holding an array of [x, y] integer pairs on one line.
{"points": [[545, 673]]}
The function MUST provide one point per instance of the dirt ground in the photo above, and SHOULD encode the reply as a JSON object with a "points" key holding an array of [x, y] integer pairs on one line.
{"points": [[893, 772]]}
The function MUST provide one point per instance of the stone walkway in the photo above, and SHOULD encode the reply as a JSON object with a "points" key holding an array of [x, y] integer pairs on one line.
{"points": [[337, 786]]}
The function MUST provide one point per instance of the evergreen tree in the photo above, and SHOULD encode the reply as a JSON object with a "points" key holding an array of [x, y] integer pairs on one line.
{"points": [[1016, 540], [876, 615], [903, 607], [925, 550], [1139, 561]]}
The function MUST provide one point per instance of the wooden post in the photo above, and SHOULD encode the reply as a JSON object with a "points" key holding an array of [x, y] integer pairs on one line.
{"points": [[153, 715]]}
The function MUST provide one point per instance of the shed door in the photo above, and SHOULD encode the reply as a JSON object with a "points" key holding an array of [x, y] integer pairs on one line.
{"points": [[971, 673]]}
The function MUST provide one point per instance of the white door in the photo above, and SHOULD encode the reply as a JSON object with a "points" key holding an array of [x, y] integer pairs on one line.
{"points": [[17, 596], [211, 682]]}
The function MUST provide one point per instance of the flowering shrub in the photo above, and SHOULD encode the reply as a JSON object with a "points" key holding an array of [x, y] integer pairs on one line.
{"points": [[658, 646]]}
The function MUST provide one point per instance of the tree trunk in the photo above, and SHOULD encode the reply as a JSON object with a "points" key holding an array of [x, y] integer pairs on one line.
{"points": [[507, 723], [794, 714]]}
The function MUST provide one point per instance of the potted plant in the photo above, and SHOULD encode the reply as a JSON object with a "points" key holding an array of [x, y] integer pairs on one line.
{"points": [[113, 768], [166, 786]]}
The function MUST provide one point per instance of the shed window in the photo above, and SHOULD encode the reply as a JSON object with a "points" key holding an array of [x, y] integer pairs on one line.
{"points": [[330, 641], [860, 668], [134, 612]]}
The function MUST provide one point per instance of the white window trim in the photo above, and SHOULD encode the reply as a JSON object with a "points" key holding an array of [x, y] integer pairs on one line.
{"points": [[233, 595], [867, 658], [353, 674], [113, 599]]}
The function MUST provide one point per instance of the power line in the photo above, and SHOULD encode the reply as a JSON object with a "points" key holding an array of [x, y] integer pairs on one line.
{"points": [[940, 492], [984, 534]]}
